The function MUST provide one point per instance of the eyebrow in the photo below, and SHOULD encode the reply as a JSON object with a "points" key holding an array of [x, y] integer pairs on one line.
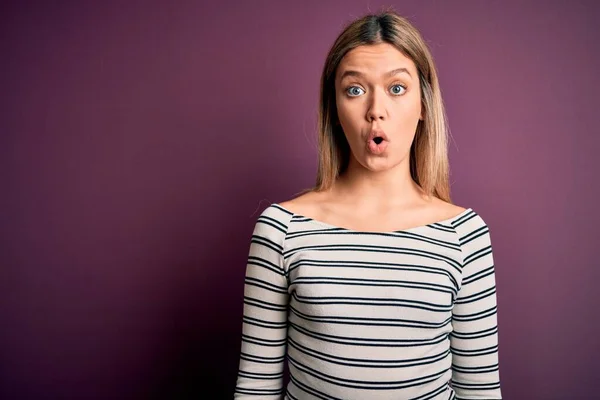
{"points": [[360, 74]]}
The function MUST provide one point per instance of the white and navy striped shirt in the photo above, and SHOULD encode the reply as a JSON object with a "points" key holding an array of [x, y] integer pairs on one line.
{"points": [[409, 314]]}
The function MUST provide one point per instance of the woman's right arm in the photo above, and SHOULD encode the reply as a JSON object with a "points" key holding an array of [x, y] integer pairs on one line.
{"points": [[264, 327]]}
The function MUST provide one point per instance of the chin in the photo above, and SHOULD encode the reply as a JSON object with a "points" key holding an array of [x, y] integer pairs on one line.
{"points": [[379, 164]]}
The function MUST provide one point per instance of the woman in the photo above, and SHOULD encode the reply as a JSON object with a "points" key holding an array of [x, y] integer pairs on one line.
{"points": [[372, 284]]}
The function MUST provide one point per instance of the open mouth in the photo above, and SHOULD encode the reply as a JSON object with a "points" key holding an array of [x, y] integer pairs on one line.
{"points": [[377, 145], [377, 142]]}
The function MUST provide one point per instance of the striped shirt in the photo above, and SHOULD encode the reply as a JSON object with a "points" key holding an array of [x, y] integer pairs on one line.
{"points": [[408, 314]]}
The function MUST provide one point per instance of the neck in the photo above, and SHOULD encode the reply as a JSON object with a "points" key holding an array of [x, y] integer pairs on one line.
{"points": [[392, 187]]}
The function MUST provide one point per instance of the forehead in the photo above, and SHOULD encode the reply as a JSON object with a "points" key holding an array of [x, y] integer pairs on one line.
{"points": [[375, 60]]}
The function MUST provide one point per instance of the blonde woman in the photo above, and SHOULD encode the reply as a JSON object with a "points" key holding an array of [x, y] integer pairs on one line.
{"points": [[373, 284]]}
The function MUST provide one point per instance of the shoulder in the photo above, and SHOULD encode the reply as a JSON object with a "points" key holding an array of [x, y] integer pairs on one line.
{"points": [[467, 223], [451, 211], [473, 234], [274, 215], [274, 221], [304, 204], [441, 210]]}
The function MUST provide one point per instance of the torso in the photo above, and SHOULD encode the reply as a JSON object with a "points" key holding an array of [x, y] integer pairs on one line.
{"points": [[325, 208]]}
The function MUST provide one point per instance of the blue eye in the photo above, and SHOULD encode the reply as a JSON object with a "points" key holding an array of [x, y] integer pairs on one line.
{"points": [[353, 91], [398, 91]]}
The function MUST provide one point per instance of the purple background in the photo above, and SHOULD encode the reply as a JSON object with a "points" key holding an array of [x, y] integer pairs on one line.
{"points": [[140, 141]]}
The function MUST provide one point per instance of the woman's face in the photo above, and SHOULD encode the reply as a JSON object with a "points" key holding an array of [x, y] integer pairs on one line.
{"points": [[378, 94]]}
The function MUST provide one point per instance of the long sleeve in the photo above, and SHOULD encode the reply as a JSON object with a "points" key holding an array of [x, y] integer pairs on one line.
{"points": [[264, 326], [474, 340]]}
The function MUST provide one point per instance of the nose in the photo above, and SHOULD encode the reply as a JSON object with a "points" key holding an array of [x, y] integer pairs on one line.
{"points": [[376, 110]]}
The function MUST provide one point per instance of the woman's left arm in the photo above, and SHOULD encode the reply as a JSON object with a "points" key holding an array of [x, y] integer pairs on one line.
{"points": [[474, 340]]}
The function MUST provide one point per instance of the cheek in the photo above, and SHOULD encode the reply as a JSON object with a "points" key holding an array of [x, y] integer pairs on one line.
{"points": [[412, 106], [347, 115], [350, 109]]}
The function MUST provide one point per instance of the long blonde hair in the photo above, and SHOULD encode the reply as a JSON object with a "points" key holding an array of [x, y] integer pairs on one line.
{"points": [[429, 166]]}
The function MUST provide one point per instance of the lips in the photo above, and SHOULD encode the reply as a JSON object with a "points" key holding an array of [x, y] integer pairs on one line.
{"points": [[377, 142], [378, 136]]}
